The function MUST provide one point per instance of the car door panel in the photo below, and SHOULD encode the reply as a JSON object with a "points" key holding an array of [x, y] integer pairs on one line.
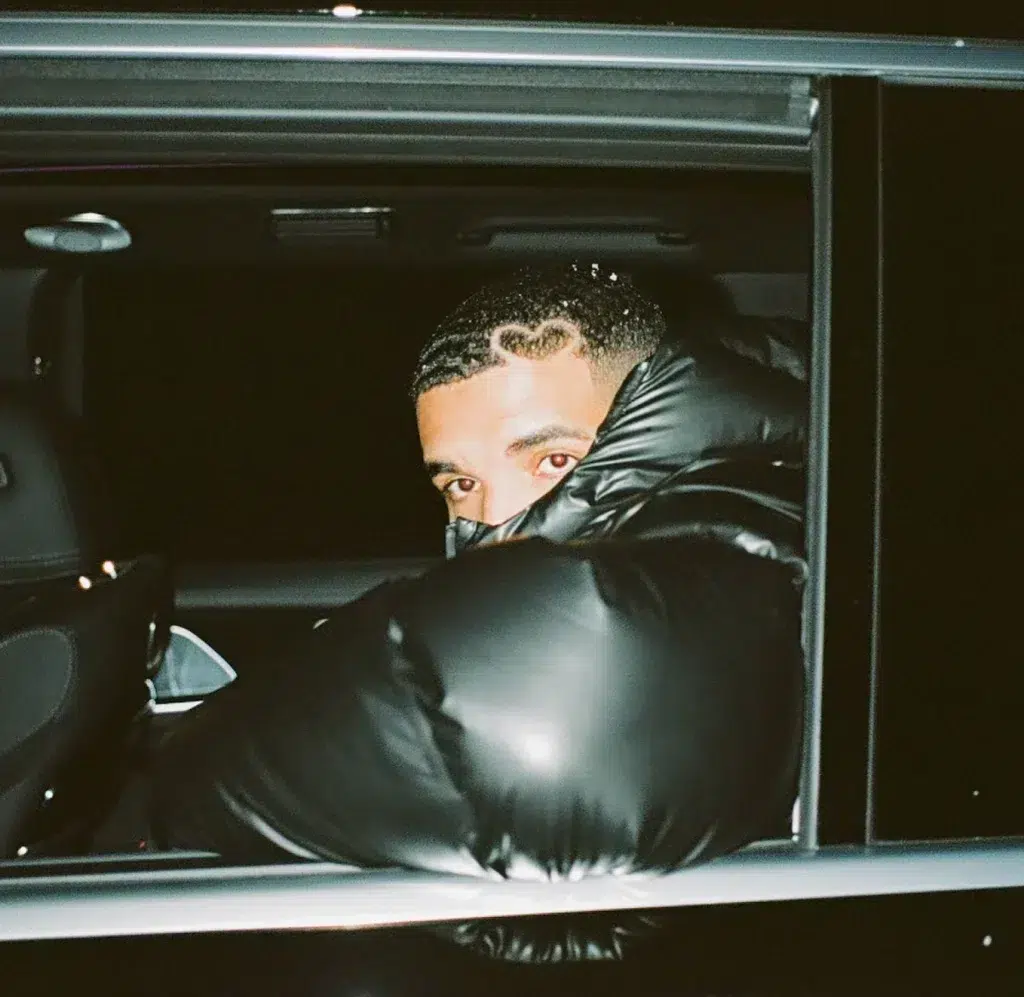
{"points": [[251, 613]]}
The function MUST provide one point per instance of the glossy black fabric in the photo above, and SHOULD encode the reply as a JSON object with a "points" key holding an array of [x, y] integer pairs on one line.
{"points": [[703, 438], [620, 691]]}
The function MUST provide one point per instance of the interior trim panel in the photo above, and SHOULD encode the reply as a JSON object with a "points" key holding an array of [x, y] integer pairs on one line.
{"points": [[301, 585]]}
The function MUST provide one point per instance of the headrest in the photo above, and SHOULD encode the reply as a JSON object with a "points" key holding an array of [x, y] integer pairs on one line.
{"points": [[53, 513]]}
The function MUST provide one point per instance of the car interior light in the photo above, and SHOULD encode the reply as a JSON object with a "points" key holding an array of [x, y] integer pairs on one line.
{"points": [[85, 232]]}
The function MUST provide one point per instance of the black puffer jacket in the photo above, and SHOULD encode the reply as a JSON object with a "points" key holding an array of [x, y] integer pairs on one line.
{"points": [[620, 691]]}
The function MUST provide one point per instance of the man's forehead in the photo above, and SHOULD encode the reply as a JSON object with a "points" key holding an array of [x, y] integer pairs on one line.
{"points": [[466, 442], [508, 388], [508, 409]]}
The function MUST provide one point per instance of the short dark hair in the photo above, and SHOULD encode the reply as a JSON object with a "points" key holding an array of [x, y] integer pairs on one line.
{"points": [[537, 313]]}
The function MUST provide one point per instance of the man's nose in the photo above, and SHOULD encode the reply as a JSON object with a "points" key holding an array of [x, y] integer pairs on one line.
{"points": [[503, 500]]}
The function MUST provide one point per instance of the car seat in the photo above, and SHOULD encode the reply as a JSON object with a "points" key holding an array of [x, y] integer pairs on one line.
{"points": [[82, 632]]}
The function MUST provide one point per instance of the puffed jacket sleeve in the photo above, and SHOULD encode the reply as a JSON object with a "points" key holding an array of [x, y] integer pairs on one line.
{"points": [[529, 710]]}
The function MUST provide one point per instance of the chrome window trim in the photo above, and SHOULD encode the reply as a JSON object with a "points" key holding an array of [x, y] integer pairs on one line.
{"points": [[188, 101], [876, 586], [817, 473], [540, 44], [422, 91], [316, 896]]}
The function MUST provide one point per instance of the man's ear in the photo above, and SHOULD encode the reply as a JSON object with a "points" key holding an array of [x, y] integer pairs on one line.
{"points": [[621, 381]]}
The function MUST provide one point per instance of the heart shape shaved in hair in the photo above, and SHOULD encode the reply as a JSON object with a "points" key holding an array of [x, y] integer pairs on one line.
{"points": [[554, 335], [535, 314]]}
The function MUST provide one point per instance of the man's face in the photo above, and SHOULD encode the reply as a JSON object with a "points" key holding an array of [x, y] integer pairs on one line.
{"points": [[496, 442]]}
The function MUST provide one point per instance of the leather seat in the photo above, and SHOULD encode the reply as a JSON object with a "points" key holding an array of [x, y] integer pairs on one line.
{"points": [[81, 632]]}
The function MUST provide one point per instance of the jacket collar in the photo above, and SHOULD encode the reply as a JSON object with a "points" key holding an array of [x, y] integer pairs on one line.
{"points": [[685, 409]]}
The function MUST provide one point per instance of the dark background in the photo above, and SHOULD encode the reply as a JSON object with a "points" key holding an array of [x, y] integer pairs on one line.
{"points": [[951, 688], [270, 414], [260, 413]]}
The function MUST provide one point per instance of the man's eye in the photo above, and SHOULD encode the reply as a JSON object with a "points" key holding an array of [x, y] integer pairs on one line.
{"points": [[459, 488], [557, 463]]}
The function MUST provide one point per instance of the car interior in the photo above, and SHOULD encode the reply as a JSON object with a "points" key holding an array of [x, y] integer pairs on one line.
{"points": [[176, 352]]}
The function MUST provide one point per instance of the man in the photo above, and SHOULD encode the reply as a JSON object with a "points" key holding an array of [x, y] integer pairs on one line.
{"points": [[621, 691]]}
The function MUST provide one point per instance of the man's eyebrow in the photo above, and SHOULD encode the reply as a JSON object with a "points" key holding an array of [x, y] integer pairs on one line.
{"points": [[436, 467], [547, 434]]}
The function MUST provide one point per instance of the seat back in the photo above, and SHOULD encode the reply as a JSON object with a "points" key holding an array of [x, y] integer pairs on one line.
{"points": [[81, 633], [74, 664]]}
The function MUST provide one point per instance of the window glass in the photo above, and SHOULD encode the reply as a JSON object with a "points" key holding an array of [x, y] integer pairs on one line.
{"points": [[951, 683]]}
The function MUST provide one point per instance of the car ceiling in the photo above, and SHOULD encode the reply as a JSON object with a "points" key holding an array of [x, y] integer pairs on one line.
{"points": [[754, 223]]}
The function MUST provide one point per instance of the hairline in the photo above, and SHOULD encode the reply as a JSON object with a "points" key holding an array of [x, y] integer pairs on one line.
{"points": [[606, 359], [604, 365]]}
